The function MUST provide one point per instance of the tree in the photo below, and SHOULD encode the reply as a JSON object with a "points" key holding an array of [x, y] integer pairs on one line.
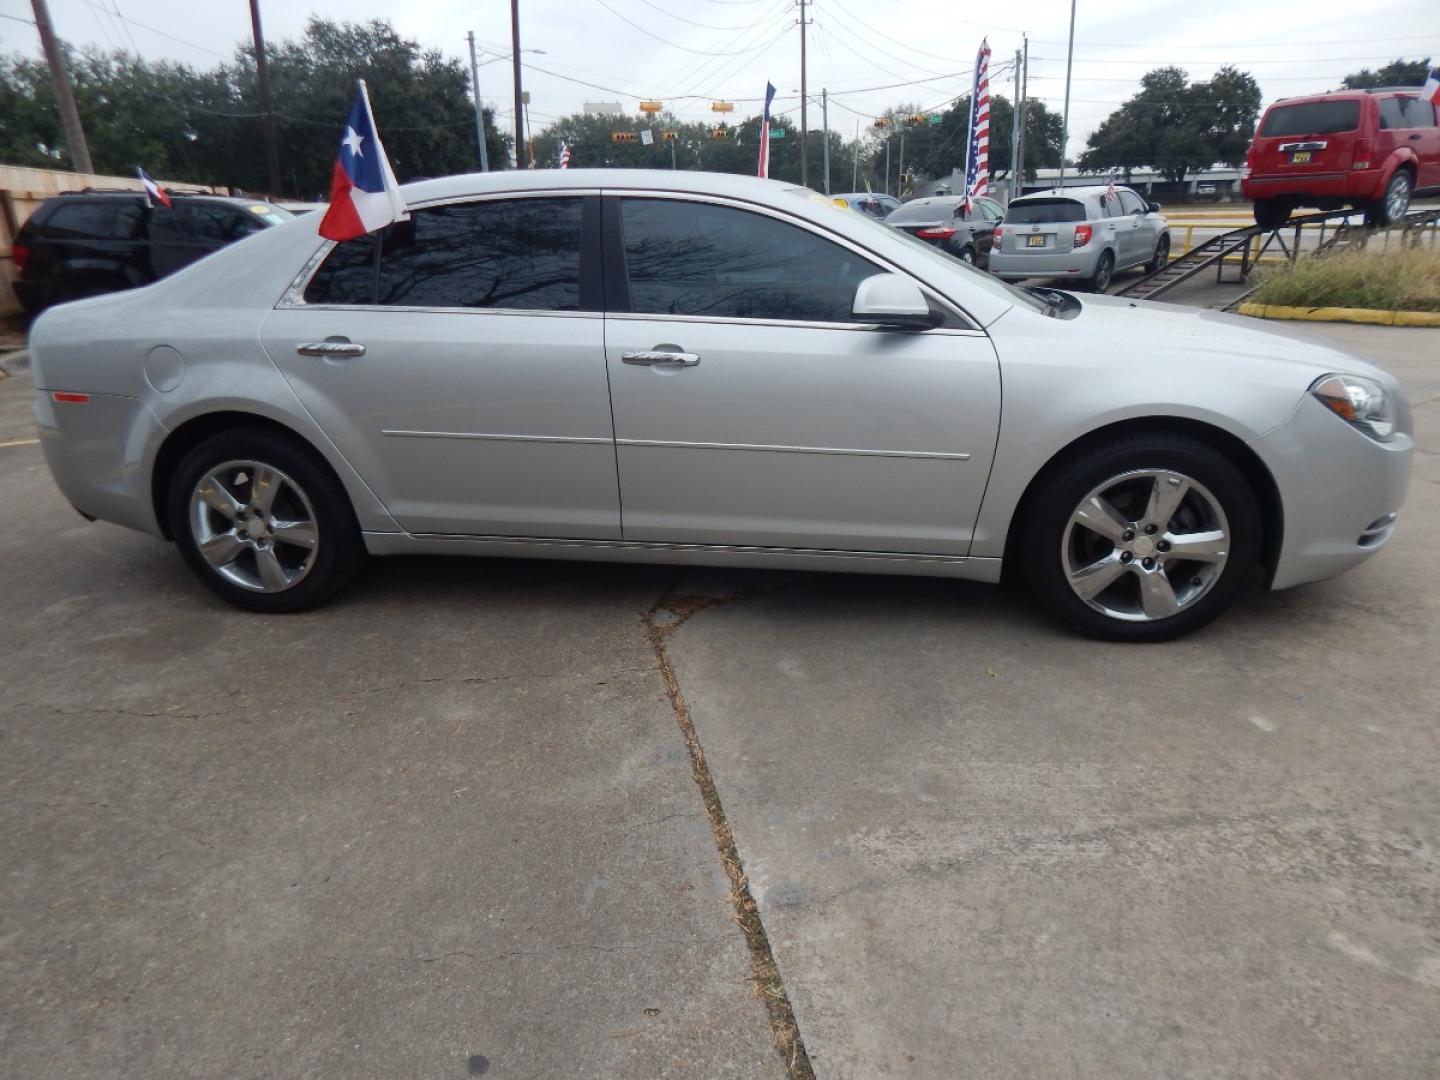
{"points": [[935, 150], [1177, 126], [1396, 73]]}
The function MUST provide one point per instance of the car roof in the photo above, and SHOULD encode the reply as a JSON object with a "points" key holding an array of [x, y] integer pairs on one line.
{"points": [[1345, 95], [1076, 193], [127, 193]]}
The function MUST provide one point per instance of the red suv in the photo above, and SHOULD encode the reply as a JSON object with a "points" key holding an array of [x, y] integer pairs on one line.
{"points": [[1370, 149]]}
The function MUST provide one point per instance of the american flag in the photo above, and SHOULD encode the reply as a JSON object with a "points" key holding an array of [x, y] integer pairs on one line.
{"points": [[564, 154], [1110, 192], [764, 170], [977, 156]]}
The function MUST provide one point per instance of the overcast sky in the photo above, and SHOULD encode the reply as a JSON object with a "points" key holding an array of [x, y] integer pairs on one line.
{"points": [[689, 52]]}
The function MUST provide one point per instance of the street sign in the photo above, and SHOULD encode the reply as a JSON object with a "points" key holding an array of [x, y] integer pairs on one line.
{"points": [[777, 133], [936, 118], [651, 106], [623, 136], [722, 106], [647, 137]]}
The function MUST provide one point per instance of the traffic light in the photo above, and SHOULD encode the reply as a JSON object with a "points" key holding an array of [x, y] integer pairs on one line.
{"points": [[881, 122], [719, 133], [623, 136], [916, 118], [670, 136]]}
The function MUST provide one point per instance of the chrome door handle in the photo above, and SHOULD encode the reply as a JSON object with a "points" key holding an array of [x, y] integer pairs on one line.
{"points": [[653, 357], [330, 348]]}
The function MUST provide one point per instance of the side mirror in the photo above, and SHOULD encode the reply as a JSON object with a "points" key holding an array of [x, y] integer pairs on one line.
{"points": [[1153, 207], [894, 302]]}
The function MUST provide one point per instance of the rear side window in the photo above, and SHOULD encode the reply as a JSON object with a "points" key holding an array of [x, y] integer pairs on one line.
{"points": [[81, 220], [1406, 112], [1044, 211], [1311, 118], [517, 254], [685, 258]]}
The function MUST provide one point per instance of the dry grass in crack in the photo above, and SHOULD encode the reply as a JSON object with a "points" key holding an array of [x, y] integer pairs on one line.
{"points": [[763, 971]]}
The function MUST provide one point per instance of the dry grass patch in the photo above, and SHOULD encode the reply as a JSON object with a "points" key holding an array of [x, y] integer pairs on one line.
{"points": [[1394, 280]]}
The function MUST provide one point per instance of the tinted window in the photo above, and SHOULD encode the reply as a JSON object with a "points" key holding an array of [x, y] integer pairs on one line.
{"points": [[696, 259], [347, 276], [128, 222], [520, 253], [1131, 202], [75, 220], [1043, 211], [219, 224], [1406, 112], [1312, 118]]}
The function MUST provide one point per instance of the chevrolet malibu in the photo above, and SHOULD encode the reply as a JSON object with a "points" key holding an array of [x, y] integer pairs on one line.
{"points": [[694, 368]]}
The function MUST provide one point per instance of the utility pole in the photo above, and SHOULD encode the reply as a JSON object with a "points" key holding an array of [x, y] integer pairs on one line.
{"points": [[825, 149], [60, 78], [900, 169], [479, 110], [267, 122], [1015, 132], [804, 101], [1065, 128], [1024, 108], [887, 164], [855, 160], [515, 55]]}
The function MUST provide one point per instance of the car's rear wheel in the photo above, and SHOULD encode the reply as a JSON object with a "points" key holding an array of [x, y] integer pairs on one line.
{"points": [[1392, 206], [263, 521], [1104, 271], [967, 255], [1161, 258], [1271, 213], [1146, 538]]}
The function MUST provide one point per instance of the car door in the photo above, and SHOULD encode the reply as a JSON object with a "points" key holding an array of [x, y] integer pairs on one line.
{"points": [[1134, 236], [1410, 120], [462, 373], [752, 410]]}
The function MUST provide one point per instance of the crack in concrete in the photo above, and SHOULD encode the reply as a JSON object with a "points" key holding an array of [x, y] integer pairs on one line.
{"points": [[764, 971]]}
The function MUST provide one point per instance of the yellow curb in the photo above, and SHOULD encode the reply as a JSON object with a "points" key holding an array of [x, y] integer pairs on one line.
{"points": [[1373, 316], [18, 442]]}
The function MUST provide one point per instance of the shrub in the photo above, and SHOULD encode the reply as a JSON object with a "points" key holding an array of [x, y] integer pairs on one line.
{"points": [[1394, 280]]}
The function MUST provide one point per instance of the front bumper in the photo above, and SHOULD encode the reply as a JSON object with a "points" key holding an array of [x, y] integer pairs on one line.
{"points": [[100, 453], [1339, 491], [1045, 264]]}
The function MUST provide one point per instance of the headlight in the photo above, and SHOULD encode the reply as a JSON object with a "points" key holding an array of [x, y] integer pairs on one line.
{"points": [[1361, 403]]}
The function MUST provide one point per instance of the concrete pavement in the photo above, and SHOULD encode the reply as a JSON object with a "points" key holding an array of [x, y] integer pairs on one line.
{"points": [[446, 826]]}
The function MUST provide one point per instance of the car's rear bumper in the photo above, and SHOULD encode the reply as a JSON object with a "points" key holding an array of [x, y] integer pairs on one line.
{"points": [[31, 294], [1340, 492], [1045, 264], [1357, 186], [100, 452]]}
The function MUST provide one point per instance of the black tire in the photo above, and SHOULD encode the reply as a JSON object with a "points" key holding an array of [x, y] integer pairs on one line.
{"points": [[1393, 205], [1161, 258], [1104, 271], [1042, 534], [338, 550], [1271, 213], [967, 255]]}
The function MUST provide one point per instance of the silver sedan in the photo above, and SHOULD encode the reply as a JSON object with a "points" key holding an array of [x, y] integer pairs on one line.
{"points": [[694, 368]]}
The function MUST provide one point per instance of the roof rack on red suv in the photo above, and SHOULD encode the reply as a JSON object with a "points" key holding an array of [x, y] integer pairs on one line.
{"points": [[1370, 149]]}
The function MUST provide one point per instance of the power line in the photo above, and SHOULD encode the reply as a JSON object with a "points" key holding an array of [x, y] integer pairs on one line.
{"points": [[657, 37], [1178, 63], [692, 22]]}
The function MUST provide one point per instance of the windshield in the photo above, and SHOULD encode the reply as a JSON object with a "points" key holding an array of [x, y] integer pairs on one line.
{"points": [[924, 210], [1312, 118], [974, 278], [1044, 211]]}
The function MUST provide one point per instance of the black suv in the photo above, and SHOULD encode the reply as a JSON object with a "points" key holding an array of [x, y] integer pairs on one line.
{"points": [[88, 242]]}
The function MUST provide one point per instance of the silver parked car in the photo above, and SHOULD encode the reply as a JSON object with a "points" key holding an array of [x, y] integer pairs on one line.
{"points": [[696, 368], [1082, 234]]}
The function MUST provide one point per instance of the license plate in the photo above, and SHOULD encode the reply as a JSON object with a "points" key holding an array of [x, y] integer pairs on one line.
{"points": [[1300, 157], [1034, 241]]}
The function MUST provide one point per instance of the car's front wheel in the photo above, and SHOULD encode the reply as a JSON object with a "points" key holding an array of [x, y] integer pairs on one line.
{"points": [[1161, 258], [263, 521], [1145, 538]]}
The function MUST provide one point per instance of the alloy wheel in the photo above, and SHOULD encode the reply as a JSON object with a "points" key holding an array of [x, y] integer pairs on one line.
{"points": [[1145, 545], [254, 526], [1397, 198]]}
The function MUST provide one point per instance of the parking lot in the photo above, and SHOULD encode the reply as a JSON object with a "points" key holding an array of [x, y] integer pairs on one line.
{"points": [[448, 826]]}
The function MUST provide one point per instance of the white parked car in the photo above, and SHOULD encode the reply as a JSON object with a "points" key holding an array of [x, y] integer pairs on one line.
{"points": [[696, 368]]}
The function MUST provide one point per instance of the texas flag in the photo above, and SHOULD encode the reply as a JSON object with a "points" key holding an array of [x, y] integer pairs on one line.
{"points": [[764, 169], [153, 191], [363, 193], [1432, 87]]}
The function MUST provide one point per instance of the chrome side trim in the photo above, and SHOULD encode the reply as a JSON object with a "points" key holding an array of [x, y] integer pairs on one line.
{"points": [[397, 433], [765, 447], [794, 324], [663, 546], [1317, 145]]}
